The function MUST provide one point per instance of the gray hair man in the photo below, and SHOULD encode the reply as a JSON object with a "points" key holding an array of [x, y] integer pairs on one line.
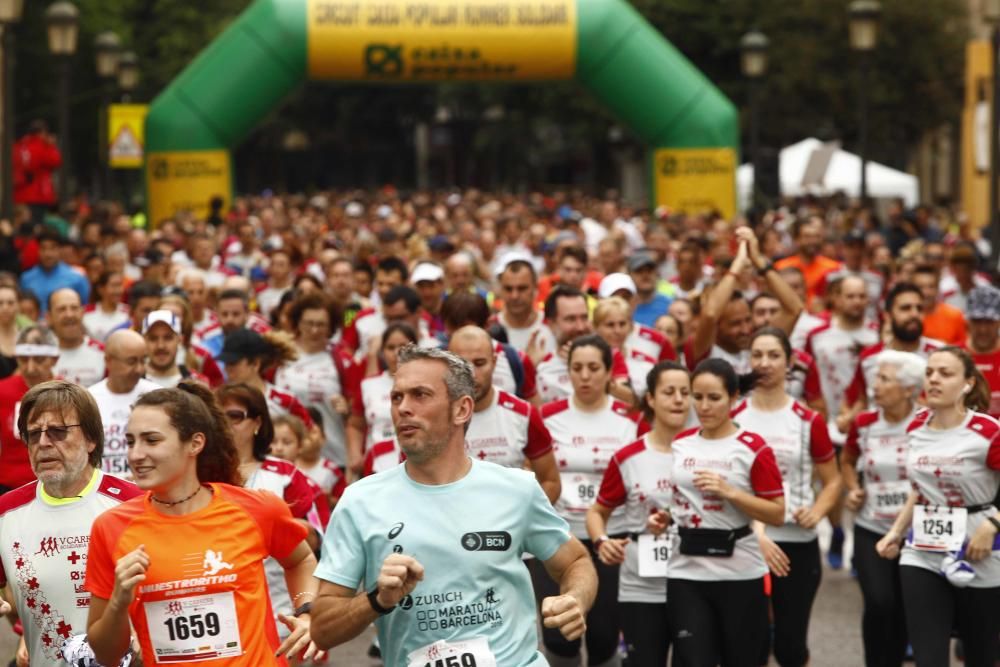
{"points": [[442, 536]]}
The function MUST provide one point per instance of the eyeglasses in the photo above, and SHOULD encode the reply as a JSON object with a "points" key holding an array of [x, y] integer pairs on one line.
{"points": [[56, 434], [236, 416]]}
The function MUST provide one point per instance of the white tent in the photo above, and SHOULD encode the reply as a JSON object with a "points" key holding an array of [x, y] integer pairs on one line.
{"points": [[842, 175]]}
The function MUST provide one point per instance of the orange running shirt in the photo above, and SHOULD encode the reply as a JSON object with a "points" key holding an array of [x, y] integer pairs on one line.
{"points": [[205, 597]]}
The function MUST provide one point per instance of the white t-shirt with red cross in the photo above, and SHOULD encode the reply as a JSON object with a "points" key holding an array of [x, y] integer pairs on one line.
{"points": [[584, 443], [639, 364], [651, 343], [507, 432], [100, 324], [43, 547], [115, 410], [799, 439], [881, 449], [638, 480], [747, 463], [836, 351], [503, 374], [377, 409], [957, 467], [327, 476], [82, 365], [286, 481], [382, 456]]}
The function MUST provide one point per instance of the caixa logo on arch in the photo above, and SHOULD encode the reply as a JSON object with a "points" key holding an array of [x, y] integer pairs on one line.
{"points": [[495, 540]]}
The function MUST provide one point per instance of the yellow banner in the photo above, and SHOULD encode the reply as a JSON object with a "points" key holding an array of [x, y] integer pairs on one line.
{"points": [[185, 181], [695, 179], [126, 123], [435, 40]]}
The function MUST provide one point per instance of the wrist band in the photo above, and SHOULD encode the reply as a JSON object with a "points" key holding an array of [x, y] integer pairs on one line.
{"points": [[35, 350], [993, 520], [304, 609], [373, 601]]}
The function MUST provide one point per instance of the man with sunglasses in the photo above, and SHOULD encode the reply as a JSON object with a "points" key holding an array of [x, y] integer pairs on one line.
{"points": [[125, 358], [36, 351], [45, 525]]}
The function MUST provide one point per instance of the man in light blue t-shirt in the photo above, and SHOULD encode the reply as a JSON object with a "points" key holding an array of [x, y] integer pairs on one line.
{"points": [[436, 542]]}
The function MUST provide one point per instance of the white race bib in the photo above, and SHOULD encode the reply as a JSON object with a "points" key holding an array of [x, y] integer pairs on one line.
{"points": [[887, 499], [654, 552], [473, 652], [193, 629], [938, 528], [579, 490]]}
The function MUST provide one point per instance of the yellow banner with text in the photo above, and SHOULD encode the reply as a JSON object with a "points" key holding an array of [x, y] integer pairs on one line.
{"points": [[126, 125], [695, 180], [441, 40], [186, 181]]}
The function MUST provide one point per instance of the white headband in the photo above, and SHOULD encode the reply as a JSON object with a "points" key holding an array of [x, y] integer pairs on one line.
{"points": [[35, 350]]}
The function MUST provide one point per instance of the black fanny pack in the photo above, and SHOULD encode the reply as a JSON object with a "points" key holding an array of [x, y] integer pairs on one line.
{"points": [[714, 542]]}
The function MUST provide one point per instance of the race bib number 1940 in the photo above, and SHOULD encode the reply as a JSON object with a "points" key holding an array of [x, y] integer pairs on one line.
{"points": [[191, 629], [938, 528], [473, 652]]}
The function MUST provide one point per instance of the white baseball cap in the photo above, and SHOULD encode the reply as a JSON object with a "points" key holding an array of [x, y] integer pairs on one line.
{"points": [[614, 282], [426, 271], [165, 316], [511, 257]]}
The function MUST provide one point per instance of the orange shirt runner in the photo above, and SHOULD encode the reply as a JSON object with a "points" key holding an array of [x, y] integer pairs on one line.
{"points": [[205, 597], [814, 272]]}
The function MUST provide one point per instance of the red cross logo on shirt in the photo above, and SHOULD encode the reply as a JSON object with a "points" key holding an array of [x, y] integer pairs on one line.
{"points": [[19, 562], [596, 449], [73, 557], [482, 456], [33, 583], [937, 472], [30, 602], [47, 640], [562, 463], [64, 630], [46, 608], [696, 520]]}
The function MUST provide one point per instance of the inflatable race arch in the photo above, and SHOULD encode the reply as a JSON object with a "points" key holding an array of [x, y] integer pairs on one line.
{"points": [[605, 45]]}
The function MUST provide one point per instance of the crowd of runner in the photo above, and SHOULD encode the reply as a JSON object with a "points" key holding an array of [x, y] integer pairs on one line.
{"points": [[481, 412]]}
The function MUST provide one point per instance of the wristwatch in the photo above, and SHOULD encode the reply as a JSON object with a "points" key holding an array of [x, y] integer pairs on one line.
{"points": [[599, 541], [996, 524], [373, 601], [304, 609]]}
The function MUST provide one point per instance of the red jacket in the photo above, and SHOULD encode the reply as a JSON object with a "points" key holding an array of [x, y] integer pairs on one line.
{"points": [[35, 158]]}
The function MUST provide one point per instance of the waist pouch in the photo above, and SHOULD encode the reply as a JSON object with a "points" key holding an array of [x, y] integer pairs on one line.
{"points": [[714, 542]]}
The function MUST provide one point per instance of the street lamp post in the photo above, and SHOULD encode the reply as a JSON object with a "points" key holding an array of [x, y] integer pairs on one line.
{"points": [[991, 14], [863, 19], [108, 49], [63, 22], [10, 13], [128, 74], [753, 63]]}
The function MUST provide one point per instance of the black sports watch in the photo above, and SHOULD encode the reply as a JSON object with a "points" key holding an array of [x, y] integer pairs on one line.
{"points": [[373, 601], [304, 609]]}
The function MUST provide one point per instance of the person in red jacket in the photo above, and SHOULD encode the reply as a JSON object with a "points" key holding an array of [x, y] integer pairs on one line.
{"points": [[36, 156]]}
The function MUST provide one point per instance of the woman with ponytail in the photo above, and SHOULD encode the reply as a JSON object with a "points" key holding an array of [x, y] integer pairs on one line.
{"points": [[184, 564], [724, 477], [950, 562], [587, 429], [802, 447]]}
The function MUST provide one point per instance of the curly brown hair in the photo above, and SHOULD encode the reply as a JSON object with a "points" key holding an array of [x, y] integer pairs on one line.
{"points": [[314, 301], [193, 408]]}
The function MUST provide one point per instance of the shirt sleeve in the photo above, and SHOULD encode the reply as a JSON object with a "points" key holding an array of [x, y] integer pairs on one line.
{"points": [[539, 438], [857, 388], [852, 444], [667, 352], [546, 531], [612, 493], [299, 495], [529, 386], [282, 531], [299, 410], [811, 388], [820, 445], [619, 370], [342, 560], [100, 576], [993, 453], [765, 478]]}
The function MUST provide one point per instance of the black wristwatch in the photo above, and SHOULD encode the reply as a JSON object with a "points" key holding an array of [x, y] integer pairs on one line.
{"points": [[996, 524], [768, 267], [304, 609], [373, 601]]}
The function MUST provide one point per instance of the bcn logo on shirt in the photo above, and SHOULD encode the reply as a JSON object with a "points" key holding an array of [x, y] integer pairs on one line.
{"points": [[498, 540]]}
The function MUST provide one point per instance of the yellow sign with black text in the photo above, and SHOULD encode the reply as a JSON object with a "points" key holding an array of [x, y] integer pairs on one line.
{"points": [[126, 124], [695, 180], [442, 40], [186, 181]]}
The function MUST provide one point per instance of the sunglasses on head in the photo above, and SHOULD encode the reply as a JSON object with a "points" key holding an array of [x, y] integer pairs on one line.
{"points": [[56, 433]]}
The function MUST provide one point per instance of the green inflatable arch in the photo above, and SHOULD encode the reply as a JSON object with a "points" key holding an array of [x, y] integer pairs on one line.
{"points": [[689, 125]]}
